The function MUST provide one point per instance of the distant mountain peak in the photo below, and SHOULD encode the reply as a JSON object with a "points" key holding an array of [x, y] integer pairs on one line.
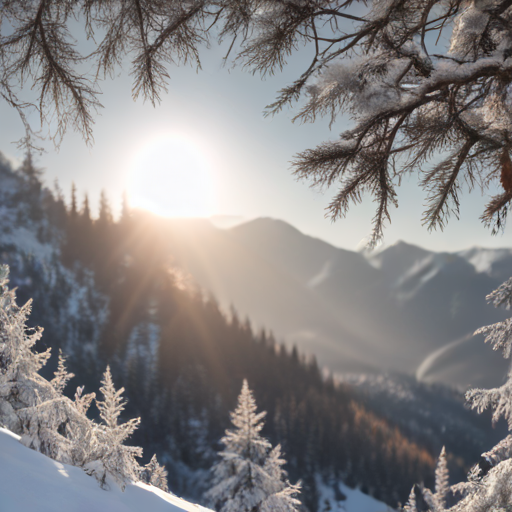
{"points": [[397, 257], [494, 262], [266, 223]]}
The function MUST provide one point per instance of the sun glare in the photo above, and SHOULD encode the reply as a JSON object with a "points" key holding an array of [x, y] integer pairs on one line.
{"points": [[170, 176]]}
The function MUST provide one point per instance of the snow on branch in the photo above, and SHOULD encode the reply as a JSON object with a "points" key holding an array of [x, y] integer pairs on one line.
{"points": [[499, 335], [420, 80]]}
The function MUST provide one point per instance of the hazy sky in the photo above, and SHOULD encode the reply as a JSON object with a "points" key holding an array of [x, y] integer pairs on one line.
{"points": [[238, 161]]}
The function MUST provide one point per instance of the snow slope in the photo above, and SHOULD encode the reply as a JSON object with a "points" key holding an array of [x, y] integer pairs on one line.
{"points": [[30, 481]]}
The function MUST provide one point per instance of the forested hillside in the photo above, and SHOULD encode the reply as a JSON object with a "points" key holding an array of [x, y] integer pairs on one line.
{"points": [[107, 292], [182, 361]]}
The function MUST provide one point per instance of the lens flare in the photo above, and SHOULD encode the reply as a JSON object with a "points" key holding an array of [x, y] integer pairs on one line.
{"points": [[170, 176]]}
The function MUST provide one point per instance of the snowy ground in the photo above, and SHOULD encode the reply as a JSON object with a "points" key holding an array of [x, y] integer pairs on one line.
{"points": [[352, 500], [32, 482]]}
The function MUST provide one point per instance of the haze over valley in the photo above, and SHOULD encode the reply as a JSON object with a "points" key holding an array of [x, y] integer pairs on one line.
{"points": [[403, 308]]}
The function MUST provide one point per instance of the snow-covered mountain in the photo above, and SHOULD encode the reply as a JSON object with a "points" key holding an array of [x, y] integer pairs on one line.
{"points": [[69, 305], [496, 263], [402, 309]]}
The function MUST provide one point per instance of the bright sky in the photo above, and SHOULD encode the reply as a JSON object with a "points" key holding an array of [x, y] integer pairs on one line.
{"points": [[211, 123]]}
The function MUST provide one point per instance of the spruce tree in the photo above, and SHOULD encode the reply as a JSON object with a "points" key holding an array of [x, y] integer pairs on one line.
{"points": [[105, 213], [411, 502], [488, 486], [442, 481], [249, 477], [62, 376], [73, 208], [86, 211]]}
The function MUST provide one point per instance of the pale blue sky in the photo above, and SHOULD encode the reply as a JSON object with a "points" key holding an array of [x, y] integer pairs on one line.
{"points": [[220, 110]]}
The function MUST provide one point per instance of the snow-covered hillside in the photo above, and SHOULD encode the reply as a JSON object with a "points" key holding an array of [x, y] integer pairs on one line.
{"points": [[69, 306], [30, 482]]}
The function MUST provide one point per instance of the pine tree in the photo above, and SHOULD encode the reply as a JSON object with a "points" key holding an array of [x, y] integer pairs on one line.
{"points": [[412, 102], [86, 211], [30, 172], [18, 363], [71, 247], [84, 238], [282, 499], [488, 486], [83, 435], [411, 502], [105, 213], [249, 478], [51, 423], [73, 212]]}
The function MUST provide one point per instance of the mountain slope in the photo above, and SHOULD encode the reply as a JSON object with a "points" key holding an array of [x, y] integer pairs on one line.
{"points": [[495, 262], [390, 311], [266, 290]]}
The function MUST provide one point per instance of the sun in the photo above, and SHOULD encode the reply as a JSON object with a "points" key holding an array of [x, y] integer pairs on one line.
{"points": [[170, 176]]}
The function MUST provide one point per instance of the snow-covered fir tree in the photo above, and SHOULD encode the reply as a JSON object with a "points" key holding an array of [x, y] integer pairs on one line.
{"points": [[442, 481], [249, 476], [155, 474], [436, 501], [19, 380], [488, 487], [114, 458], [62, 376], [411, 502], [31, 406], [51, 423]]}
